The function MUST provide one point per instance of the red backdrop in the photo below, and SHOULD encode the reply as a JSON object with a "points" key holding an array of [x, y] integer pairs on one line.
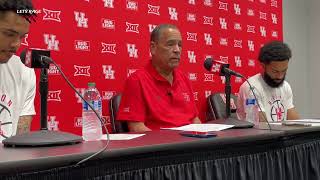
{"points": [[104, 41]]}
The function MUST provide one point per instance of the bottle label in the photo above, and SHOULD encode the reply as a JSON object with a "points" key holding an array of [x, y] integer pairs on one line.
{"points": [[250, 101], [95, 104]]}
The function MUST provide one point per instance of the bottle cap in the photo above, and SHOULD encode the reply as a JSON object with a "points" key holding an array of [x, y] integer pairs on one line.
{"points": [[91, 84]]}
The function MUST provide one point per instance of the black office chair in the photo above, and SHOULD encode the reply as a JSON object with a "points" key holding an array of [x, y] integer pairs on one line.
{"points": [[217, 106], [117, 126]]}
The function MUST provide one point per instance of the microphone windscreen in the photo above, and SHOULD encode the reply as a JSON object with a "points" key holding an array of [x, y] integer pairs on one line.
{"points": [[208, 64]]}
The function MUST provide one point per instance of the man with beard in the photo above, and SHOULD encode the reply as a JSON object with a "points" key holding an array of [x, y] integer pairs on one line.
{"points": [[159, 95], [17, 82], [274, 94]]}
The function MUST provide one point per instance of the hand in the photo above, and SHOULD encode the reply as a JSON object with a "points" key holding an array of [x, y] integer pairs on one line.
{"points": [[196, 120]]}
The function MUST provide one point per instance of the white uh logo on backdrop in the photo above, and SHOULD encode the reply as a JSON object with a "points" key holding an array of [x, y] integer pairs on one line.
{"points": [[52, 43], [54, 95], [191, 36], [274, 18], [108, 3], [192, 57], [133, 52], [81, 91], [250, 45], [263, 1], [263, 31], [208, 38], [173, 13], [81, 70], [81, 20], [154, 10], [237, 9], [151, 27], [52, 123], [238, 61], [51, 15], [132, 5], [109, 73], [223, 6], [223, 23]]}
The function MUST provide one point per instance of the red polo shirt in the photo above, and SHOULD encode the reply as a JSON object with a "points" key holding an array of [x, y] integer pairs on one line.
{"points": [[150, 98]]}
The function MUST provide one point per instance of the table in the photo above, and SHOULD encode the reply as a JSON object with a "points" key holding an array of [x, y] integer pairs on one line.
{"points": [[284, 153]]}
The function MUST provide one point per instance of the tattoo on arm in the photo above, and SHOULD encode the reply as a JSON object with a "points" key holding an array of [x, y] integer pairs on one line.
{"points": [[24, 124]]}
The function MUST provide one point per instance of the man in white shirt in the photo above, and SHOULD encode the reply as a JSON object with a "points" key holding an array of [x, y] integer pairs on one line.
{"points": [[17, 82], [273, 93]]}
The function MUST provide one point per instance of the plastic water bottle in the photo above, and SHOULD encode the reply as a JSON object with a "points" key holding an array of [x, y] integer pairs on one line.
{"points": [[252, 113], [91, 125]]}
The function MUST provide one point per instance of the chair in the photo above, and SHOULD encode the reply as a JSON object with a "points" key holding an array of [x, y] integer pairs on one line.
{"points": [[217, 106], [117, 126]]}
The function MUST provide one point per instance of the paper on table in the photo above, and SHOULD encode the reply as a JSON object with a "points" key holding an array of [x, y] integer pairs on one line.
{"points": [[305, 122], [202, 127], [121, 136]]}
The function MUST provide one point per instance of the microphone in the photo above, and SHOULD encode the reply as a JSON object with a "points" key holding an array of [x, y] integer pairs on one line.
{"points": [[36, 58], [219, 67]]}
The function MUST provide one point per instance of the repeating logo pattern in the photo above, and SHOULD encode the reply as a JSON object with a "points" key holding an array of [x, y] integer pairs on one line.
{"points": [[107, 48]]}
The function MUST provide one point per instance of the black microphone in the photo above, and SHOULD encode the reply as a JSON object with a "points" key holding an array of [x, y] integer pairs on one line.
{"points": [[219, 67], [169, 93], [36, 58]]}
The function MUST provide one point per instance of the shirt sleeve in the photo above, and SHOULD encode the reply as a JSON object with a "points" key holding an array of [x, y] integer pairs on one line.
{"points": [[289, 99], [244, 94], [29, 84], [132, 106]]}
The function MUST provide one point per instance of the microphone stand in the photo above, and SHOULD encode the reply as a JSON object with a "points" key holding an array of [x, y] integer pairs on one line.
{"points": [[230, 120], [44, 137]]}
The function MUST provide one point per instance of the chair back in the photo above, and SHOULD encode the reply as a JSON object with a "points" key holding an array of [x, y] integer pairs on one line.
{"points": [[217, 106], [117, 126]]}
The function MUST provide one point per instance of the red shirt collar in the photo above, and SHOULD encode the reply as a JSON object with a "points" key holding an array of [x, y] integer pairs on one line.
{"points": [[154, 73]]}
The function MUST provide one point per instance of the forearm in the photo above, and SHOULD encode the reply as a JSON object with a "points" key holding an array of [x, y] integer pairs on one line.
{"points": [[137, 127], [24, 124], [196, 120]]}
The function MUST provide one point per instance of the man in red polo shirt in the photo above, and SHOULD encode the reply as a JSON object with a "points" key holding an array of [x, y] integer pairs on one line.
{"points": [[159, 95]]}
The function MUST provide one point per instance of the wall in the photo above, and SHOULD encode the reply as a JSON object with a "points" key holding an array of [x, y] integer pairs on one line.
{"points": [[295, 32]]}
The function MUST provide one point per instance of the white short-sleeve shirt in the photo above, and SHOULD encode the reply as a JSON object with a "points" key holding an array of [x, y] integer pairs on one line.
{"points": [[17, 92], [273, 101]]}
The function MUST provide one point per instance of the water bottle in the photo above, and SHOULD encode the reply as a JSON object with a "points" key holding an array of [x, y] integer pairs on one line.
{"points": [[251, 109], [91, 125]]}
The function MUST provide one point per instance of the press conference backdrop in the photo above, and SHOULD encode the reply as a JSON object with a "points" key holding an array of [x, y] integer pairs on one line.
{"points": [[104, 41]]}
